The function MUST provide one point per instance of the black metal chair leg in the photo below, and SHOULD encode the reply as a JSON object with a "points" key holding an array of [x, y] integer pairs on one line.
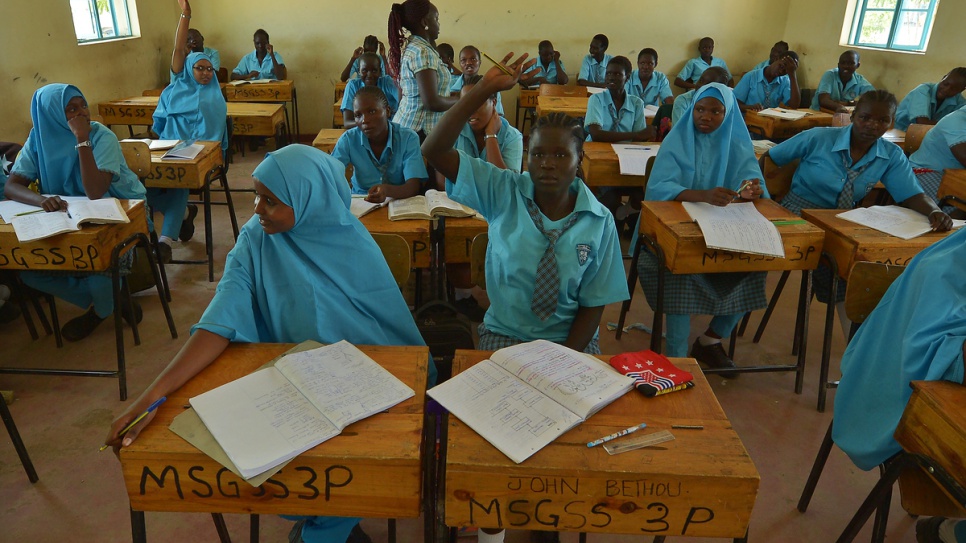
{"points": [[820, 459], [771, 306], [253, 528], [138, 532], [230, 204], [744, 324], [54, 319], [631, 284], [28, 466], [392, 530], [881, 491], [221, 527]]}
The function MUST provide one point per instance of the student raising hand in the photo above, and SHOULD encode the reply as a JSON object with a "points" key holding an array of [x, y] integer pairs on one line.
{"points": [[500, 79]]}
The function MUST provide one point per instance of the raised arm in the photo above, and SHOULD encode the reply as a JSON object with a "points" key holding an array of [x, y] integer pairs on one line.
{"points": [[346, 72], [281, 72], [791, 68], [181, 38], [562, 77]]}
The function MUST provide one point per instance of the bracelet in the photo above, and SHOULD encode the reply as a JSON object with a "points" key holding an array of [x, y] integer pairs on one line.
{"points": [[488, 136], [84, 144], [183, 16], [936, 211]]}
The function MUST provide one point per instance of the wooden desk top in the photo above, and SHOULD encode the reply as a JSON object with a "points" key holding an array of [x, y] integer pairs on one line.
{"points": [[251, 119], [275, 91], [414, 231], [184, 174], [528, 97], [703, 483], [372, 469], [602, 168], [781, 129], [685, 252], [575, 106], [87, 250], [327, 139], [458, 238], [849, 242]]}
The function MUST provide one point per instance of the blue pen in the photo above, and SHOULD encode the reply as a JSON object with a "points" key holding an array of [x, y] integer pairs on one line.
{"points": [[134, 422], [616, 435]]}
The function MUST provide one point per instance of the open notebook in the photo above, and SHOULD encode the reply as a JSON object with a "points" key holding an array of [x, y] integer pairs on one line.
{"points": [[34, 223]]}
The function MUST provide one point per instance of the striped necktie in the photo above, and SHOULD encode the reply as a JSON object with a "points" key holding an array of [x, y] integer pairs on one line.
{"points": [[846, 199]]}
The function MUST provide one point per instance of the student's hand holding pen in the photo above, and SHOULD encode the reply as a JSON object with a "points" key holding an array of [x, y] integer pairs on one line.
{"points": [[750, 189], [939, 221], [53, 203], [505, 74], [145, 409], [718, 196]]}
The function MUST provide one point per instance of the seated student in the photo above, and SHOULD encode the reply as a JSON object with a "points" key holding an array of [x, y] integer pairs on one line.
{"points": [[192, 107], [285, 281], [840, 87], [944, 147], [72, 156], [447, 55], [705, 158], [196, 44], [689, 75], [650, 86], [930, 102], [470, 60], [593, 66], [384, 156], [777, 50], [615, 115], [682, 102], [551, 67], [370, 75], [772, 86], [262, 63], [917, 332], [369, 45], [840, 165]]}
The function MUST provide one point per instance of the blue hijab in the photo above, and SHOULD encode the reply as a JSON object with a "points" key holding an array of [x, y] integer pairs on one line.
{"points": [[915, 333], [51, 142], [689, 159], [324, 280], [189, 110]]}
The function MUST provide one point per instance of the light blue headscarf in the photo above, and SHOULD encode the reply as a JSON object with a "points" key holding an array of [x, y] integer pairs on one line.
{"points": [[915, 333], [51, 142], [325, 279], [189, 110], [689, 159]]}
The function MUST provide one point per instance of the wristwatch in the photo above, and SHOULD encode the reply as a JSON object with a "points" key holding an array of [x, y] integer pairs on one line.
{"points": [[84, 144], [488, 136]]}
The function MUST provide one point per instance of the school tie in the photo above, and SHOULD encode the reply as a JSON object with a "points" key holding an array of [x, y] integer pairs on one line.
{"points": [[547, 282], [846, 199]]}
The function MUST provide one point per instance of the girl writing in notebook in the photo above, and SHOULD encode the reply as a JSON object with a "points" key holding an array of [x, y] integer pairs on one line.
{"points": [[706, 157], [192, 107], [72, 156], [289, 279], [385, 156]]}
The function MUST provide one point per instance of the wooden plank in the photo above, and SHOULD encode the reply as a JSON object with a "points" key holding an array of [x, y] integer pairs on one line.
{"points": [[184, 174], [953, 184], [415, 232], [87, 250], [256, 119], [528, 97], [371, 469], [276, 91], [136, 110], [703, 483], [781, 128], [685, 251], [327, 139], [458, 238]]}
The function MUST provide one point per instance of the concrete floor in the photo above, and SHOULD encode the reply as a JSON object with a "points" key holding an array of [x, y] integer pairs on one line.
{"points": [[81, 497]]}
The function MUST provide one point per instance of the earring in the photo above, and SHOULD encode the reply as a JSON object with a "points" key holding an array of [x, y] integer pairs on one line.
{"points": [[425, 28]]}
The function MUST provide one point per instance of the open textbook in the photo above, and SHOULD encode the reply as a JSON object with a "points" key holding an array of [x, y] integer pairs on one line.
{"points": [[274, 414], [34, 223], [433, 204], [894, 220], [251, 82], [360, 207], [525, 396], [186, 150], [736, 227], [155, 145]]}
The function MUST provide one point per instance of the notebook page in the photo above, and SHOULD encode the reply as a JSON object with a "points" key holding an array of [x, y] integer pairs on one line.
{"points": [[898, 221], [736, 227], [633, 158]]}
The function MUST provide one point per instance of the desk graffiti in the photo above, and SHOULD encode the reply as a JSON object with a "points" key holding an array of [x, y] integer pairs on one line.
{"points": [[202, 483], [418, 247], [169, 172], [124, 112], [243, 128], [81, 258], [257, 93]]}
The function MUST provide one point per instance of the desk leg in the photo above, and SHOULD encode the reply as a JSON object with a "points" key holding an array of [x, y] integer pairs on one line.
{"points": [[743, 539], [253, 528], [295, 113], [631, 284], [138, 533], [392, 530], [879, 493], [209, 242], [657, 329], [221, 527], [827, 341], [801, 328], [771, 306], [118, 326]]}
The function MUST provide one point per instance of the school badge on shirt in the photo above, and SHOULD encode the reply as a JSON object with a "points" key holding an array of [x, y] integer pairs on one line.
{"points": [[583, 253]]}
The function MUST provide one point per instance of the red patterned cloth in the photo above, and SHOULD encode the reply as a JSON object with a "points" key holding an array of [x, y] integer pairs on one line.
{"points": [[653, 373]]}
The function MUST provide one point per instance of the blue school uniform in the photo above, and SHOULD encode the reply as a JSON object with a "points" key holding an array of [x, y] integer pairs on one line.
{"points": [[921, 102], [412, 113], [696, 66], [754, 88], [832, 84], [691, 160], [763, 64], [935, 152], [49, 155], [508, 138], [456, 85], [266, 70], [399, 162], [593, 71], [589, 263], [354, 70], [385, 84], [916, 333], [657, 90], [681, 104], [186, 110], [549, 72], [212, 55], [602, 111], [821, 174]]}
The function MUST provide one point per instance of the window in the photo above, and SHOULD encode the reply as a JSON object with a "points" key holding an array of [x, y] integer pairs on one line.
{"points": [[901, 25], [99, 20]]}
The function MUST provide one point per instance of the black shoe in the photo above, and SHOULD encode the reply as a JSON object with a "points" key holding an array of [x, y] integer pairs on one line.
{"points": [[188, 224], [470, 308], [78, 328], [927, 530], [714, 356], [544, 537], [358, 536], [9, 312], [164, 251]]}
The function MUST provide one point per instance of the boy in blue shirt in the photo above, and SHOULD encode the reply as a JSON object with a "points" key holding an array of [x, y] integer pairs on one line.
{"points": [[470, 59], [688, 78], [370, 74], [552, 68], [593, 67], [777, 50], [262, 63], [930, 102], [772, 86], [841, 87], [650, 86]]}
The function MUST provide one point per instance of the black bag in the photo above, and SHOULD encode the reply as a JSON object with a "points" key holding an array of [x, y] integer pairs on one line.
{"points": [[444, 330]]}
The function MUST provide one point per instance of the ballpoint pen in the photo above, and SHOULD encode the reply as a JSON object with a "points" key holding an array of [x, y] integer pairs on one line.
{"points": [[140, 417]]}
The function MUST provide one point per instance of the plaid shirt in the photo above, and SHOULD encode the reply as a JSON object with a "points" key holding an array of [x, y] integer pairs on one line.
{"points": [[419, 55]]}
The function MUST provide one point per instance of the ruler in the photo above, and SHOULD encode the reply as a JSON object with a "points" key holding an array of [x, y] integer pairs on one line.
{"points": [[638, 442]]}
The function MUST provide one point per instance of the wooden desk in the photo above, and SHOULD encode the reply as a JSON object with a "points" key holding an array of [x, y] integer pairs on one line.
{"points": [[327, 139], [602, 168], [414, 231], [274, 91], [845, 244], [133, 111], [372, 469], [952, 188], [702, 484], [575, 106], [772, 128], [458, 234], [528, 97], [896, 136]]}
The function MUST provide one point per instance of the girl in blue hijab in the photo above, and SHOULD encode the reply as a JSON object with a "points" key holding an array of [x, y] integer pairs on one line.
{"points": [[71, 156], [303, 268], [705, 158], [192, 107]]}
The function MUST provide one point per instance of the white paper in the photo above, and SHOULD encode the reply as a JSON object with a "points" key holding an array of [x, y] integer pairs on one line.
{"points": [[736, 227], [650, 111], [155, 145], [893, 220], [782, 113], [633, 158], [595, 90], [10, 209], [761, 146], [360, 207], [249, 82]]}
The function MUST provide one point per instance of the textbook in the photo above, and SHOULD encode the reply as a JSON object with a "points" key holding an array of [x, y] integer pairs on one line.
{"points": [[186, 150], [434, 204], [156, 145], [270, 416], [360, 207], [38, 224], [525, 396], [251, 81], [782, 113]]}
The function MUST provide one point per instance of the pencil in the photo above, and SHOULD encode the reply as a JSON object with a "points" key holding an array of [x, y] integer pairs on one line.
{"points": [[29, 213], [134, 422], [502, 68]]}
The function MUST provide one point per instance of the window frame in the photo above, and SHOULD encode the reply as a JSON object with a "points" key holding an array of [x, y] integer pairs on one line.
{"points": [[862, 8], [96, 18]]}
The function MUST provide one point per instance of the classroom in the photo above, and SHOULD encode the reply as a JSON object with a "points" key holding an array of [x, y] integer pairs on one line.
{"points": [[61, 419]]}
